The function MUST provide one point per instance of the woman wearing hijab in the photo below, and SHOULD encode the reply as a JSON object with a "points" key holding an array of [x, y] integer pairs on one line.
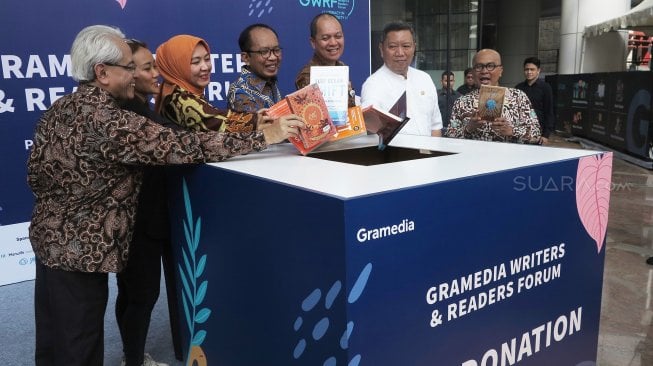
{"points": [[184, 61]]}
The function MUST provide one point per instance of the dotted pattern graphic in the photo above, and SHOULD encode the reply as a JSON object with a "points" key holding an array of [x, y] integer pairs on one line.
{"points": [[259, 7], [315, 333]]}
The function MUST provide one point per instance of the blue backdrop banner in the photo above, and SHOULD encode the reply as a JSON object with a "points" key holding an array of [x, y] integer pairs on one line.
{"points": [[35, 67]]}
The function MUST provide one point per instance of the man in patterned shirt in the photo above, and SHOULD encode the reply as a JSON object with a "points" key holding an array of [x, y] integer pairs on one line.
{"points": [[85, 176], [256, 87], [518, 121], [328, 42]]}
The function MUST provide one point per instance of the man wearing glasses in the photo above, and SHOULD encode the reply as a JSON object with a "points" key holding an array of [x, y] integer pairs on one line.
{"points": [[85, 172], [257, 87], [517, 122]]}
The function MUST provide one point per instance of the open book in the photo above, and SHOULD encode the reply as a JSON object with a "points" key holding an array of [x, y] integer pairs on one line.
{"points": [[386, 124], [490, 102], [307, 103]]}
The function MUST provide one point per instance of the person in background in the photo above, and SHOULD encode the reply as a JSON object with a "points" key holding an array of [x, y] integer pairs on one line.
{"points": [[518, 121], [540, 94], [257, 86], [139, 282], [84, 171], [184, 62], [468, 84], [447, 96], [328, 42], [386, 85]]}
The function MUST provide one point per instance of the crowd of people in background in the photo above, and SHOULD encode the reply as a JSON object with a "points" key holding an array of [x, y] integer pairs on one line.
{"points": [[95, 168]]}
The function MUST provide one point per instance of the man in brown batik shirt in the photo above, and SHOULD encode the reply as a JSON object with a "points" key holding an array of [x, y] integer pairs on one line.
{"points": [[83, 171]]}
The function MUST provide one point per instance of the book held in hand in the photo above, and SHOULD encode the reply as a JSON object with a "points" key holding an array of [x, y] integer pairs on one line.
{"points": [[386, 124], [334, 84], [355, 125], [309, 104], [490, 102]]}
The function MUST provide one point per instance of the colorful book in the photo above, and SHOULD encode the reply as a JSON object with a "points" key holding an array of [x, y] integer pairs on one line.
{"points": [[490, 102], [386, 124], [309, 104], [334, 84], [355, 125]]}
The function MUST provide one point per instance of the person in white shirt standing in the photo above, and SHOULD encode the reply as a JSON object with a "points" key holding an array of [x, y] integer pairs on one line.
{"points": [[388, 83]]}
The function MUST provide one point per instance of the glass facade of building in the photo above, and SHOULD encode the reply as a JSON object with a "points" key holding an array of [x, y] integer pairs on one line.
{"points": [[439, 29]]}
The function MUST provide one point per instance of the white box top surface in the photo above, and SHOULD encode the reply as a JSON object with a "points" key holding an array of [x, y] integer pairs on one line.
{"points": [[283, 163]]}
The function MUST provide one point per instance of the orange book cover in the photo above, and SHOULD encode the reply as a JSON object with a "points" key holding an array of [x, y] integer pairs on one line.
{"points": [[355, 125], [308, 103]]}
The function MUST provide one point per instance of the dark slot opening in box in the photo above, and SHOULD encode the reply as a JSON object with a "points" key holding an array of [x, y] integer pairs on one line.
{"points": [[371, 155]]}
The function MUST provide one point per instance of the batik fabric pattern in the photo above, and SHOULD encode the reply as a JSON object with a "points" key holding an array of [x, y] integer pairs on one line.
{"points": [[516, 110], [250, 93], [84, 170], [194, 112]]}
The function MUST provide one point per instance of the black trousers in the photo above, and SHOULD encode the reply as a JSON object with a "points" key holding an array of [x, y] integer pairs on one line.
{"points": [[69, 312], [138, 291]]}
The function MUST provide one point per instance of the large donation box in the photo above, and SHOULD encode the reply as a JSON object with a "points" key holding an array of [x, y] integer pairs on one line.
{"points": [[433, 251]]}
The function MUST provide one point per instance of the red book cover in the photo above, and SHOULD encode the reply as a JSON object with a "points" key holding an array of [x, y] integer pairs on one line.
{"points": [[386, 124], [308, 103]]}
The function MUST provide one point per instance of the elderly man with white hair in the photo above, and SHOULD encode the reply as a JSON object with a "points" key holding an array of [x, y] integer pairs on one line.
{"points": [[83, 170]]}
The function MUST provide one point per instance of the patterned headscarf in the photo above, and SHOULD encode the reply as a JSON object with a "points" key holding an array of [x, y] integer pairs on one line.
{"points": [[173, 59]]}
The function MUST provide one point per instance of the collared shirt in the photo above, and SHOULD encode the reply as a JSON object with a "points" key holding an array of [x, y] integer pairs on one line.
{"points": [[466, 89], [304, 77], [445, 103], [384, 87], [83, 171], [196, 113], [541, 96], [516, 110], [250, 92]]}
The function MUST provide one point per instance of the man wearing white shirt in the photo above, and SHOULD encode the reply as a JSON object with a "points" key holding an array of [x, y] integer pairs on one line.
{"points": [[388, 83]]}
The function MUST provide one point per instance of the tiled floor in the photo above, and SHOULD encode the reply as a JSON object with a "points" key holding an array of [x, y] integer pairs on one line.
{"points": [[626, 332]]}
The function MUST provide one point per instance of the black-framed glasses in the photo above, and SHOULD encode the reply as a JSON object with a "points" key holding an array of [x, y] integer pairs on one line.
{"points": [[267, 52], [490, 66], [130, 68]]}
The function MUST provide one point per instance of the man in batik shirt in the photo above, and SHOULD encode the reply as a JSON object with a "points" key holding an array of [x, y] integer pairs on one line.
{"points": [[84, 172], [328, 42], [256, 87], [517, 122]]}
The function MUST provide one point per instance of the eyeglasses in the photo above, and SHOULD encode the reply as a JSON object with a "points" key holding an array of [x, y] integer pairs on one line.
{"points": [[267, 52], [490, 66], [130, 68]]}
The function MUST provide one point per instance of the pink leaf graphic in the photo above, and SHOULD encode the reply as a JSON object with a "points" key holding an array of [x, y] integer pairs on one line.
{"points": [[593, 182], [122, 3]]}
